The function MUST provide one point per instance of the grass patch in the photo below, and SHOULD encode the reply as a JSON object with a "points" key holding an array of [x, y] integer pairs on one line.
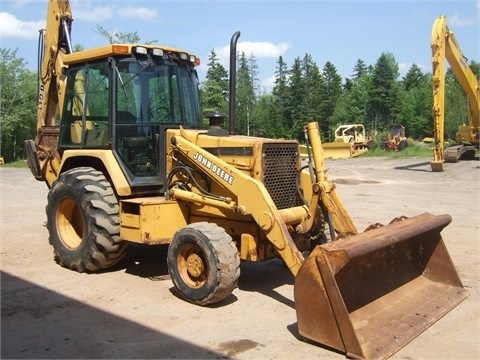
{"points": [[17, 164], [420, 150]]}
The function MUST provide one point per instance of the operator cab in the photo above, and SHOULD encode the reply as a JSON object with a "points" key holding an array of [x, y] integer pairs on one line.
{"points": [[126, 103]]}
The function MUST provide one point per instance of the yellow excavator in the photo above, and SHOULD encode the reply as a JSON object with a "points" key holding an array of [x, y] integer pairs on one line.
{"points": [[445, 48], [121, 148]]}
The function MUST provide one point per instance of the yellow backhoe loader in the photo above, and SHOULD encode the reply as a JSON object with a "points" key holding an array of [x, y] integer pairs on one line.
{"points": [[445, 48], [121, 149]]}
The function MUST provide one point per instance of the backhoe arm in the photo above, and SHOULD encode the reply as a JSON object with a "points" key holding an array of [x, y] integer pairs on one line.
{"points": [[54, 41]]}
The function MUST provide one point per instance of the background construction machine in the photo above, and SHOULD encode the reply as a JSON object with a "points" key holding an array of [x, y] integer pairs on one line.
{"points": [[128, 163], [445, 47], [350, 141], [396, 139]]}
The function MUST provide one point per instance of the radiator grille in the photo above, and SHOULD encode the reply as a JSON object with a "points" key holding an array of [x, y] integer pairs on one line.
{"points": [[280, 173]]}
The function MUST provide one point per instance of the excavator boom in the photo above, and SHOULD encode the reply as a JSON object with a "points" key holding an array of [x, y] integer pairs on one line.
{"points": [[445, 48]]}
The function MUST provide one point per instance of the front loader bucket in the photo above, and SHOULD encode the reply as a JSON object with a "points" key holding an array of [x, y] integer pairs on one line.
{"points": [[370, 294]]}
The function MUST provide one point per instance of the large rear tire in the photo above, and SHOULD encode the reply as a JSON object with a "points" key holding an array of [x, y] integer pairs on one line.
{"points": [[83, 221], [203, 263]]}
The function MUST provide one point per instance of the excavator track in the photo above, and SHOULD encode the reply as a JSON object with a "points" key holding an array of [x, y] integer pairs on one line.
{"points": [[456, 152]]}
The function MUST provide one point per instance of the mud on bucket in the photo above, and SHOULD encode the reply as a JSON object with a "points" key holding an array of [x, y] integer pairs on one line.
{"points": [[370, 294]]}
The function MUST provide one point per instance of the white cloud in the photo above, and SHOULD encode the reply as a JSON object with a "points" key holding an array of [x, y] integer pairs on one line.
{"points": [[83, 10], [12, 27], [268, 83], [18, 4], [259, 49], [457, 20], [141, 13], [262, 49]]}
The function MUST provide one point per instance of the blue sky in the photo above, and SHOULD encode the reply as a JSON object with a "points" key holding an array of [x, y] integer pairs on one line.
{"points": [[339, 31]]}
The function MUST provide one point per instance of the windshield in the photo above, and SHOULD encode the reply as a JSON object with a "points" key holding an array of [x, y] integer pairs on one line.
{"points": [[150, 94], [158, 93]]}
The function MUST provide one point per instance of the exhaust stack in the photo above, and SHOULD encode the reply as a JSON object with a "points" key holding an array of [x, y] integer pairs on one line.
{"points": [[233, 82]]}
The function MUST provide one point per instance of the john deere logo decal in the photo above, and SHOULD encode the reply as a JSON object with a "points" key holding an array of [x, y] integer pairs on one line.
{"points": [[217, 170]]}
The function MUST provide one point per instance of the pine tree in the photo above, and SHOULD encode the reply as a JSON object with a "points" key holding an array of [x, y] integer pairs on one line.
{"points": [[359, 69], [413, 78], [331, 92], [214, 90], [279, 123], [296, 96], [384, 97], [245, 97]]}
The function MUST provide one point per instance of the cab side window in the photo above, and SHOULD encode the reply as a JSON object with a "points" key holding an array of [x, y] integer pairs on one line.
{"points": [[85, 111]]}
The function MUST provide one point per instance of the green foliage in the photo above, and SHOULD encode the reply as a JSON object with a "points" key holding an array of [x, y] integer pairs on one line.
{"points": [[18, 100], [214, 90], [384, 95], [330, 93], [373, 96], [456, 105], [417, 150], [278, 124], [414, 78], [246, 97], [416, 110], [16, 164]]}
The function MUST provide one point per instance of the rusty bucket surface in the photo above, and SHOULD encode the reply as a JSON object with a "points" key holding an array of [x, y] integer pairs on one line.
{"points": [[370, 294]]}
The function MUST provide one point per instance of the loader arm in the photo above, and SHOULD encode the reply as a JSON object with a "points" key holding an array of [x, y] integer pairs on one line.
{"points": [[342, 221], [252, 199]]}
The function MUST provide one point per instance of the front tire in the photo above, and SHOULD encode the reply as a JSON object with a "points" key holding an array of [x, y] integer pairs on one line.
{"points": [[83, 221], [203, 263]]}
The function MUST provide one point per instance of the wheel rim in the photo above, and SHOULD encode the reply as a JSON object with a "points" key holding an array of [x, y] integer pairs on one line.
{"points": [[69, 223], [192, 266]]}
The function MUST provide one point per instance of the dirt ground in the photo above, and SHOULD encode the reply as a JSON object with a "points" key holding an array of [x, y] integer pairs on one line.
{"points": [[131, 311]]}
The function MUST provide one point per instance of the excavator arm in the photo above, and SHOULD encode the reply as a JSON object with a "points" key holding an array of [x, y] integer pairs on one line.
{"points": [[445, 48], [54, 41]]}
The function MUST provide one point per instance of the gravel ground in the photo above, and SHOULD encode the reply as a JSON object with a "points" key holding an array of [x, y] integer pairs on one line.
{"points": [[131, 311]]}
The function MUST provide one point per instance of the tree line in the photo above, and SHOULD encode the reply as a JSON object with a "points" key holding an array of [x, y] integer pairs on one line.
{"points": [[374, 95]]}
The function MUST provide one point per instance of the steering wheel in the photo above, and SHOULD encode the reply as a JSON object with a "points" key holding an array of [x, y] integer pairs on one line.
{"points": [[159, 114]]}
